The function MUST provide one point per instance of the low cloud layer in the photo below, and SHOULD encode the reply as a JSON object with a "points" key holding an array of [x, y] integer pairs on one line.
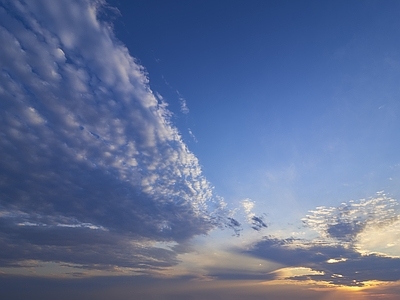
{"points": [[92, 171]]}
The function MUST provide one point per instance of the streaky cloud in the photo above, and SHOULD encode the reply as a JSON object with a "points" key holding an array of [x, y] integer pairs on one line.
{"points": [[256, 223]]}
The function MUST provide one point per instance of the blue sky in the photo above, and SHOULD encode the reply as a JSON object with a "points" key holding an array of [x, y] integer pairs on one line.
{"points": [[284, 87], [204, 149]]}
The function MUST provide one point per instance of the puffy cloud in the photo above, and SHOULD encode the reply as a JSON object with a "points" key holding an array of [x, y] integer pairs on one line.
{"points": [[345, 222], [338, 255], [90, 161]]}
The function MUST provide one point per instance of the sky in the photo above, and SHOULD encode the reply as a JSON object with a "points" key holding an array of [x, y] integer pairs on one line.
{"points": [[199, 149]]}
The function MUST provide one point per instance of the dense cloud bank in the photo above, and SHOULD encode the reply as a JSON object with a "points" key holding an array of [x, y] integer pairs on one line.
{"points": [[91, 169]]}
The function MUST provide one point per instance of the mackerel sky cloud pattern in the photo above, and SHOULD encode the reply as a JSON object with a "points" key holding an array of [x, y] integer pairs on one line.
{"points": [[199, 149], [89, 154]]}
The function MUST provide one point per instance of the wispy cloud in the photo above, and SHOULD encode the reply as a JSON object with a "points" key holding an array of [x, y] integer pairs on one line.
{"points": [[192, 135], [90, 161], [257, 223], [182, 101]]}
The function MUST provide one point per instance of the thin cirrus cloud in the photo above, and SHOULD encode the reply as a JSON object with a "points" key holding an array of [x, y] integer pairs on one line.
{"points": [[89, 158]]}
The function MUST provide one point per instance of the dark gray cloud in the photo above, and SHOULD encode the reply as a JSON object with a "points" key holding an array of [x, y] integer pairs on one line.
{"points": [[91, 169], [340, 265], [142, 287], [286, 252], [90, 248], [241, 275], [234, 225], [357, 270], [258, 223], [337, 254]]}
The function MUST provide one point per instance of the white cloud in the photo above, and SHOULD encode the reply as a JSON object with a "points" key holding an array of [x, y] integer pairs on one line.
{"points": [[85, 138], [192, 135], [182, 102], [346, 222], [248, 206], [184, 107], [382, 239]]}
